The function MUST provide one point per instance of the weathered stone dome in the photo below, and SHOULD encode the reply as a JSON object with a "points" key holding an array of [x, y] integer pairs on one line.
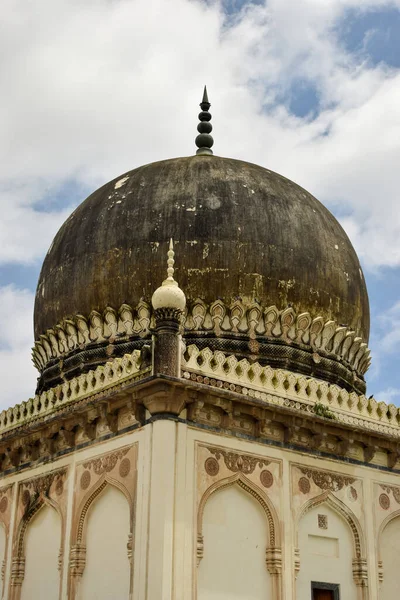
{"points": [[241, 233]]}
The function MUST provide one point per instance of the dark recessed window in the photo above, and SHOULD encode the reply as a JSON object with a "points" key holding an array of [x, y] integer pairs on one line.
{"points": [[324, 591]]}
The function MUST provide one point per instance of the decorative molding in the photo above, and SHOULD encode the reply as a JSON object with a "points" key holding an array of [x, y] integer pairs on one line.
{"points": [[244, 483], [273, 556], [40, 485], [117, 469], [238, 463], [116, 371], [326, 480], [344, 512], [284, 388], [106, 463], [325, 338], [79, 331], [384, 501], [395, 491], [34, 494]]}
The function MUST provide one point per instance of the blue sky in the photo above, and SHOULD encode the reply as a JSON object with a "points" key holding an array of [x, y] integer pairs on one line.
{"points": [[308, 88]]}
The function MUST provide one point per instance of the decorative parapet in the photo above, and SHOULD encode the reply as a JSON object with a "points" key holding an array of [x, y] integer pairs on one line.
{"points": [[325, 338], [284, 388], [113, 372], [80, 331]]}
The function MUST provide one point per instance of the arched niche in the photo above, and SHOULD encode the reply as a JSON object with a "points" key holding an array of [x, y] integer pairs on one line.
{"points": [[42, 543], [330, 548], [389, 557], [103, 544], [237, 551]]}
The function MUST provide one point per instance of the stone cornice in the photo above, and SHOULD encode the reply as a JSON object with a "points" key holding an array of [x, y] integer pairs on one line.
{"points": [[220, 405], [324, 338], [285, 388], [89, 384]]}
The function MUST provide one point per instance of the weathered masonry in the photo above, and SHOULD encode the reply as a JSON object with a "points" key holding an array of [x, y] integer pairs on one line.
{"points": [[210, 439]]}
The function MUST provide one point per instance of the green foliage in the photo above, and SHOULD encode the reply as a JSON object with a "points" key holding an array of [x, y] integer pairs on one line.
{"points": [[323, 411]]}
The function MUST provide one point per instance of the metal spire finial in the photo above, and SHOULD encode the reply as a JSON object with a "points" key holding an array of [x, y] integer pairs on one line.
{"points": [[204, 141]]}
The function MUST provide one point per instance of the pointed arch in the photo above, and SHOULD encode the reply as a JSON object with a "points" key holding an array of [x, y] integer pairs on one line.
{"points": [[273, 555], [90, 497], [389, 519], [78, 536], [274, 536], [19, 549], [342, 510], [384, 524]]}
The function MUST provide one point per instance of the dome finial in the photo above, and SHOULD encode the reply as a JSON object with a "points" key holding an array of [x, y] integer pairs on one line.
{"points": [[170, 263], [204, 141]]}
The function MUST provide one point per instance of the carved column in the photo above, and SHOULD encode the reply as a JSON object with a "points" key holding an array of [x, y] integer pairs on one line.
{"points": [[360, 575], [77, 562], [167, 342], [17, 577], [273, 559]]}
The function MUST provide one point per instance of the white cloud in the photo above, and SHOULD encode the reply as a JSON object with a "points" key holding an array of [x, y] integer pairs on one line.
{"points": [[92, 89], [389, 395], [17, 374]]}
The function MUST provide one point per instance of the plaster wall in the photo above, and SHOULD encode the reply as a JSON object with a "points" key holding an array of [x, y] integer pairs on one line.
{"points": [[107, 572], [390, 554], [235, 539], [42, 548], [325, 554], [163, 496]]}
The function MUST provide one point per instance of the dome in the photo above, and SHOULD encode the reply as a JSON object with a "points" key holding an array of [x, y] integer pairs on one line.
{"points": [[242, 233]]}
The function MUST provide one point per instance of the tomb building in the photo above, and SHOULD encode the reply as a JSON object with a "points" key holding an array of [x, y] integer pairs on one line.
{"points": [[200, 428]]}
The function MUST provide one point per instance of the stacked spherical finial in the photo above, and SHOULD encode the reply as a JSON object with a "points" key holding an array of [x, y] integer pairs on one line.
{"points": [[169, 295], [204, 141]]}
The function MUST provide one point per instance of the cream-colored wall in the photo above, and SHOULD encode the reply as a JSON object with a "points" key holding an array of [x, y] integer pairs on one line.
{"points": [[390, 555], [235, 540], [2, 554], [42, 547], [107, 572], [325, 554], [165, 544]]}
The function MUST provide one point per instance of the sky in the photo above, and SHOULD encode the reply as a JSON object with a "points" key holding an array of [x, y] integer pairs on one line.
{"points": [[94, 88]]}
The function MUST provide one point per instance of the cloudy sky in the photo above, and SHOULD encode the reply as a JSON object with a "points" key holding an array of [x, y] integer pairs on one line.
{"points": [[93, 88]]}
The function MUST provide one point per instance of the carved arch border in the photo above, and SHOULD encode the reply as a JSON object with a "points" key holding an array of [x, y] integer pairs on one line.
{"points": [[78, 535], [394, 515], [273, 550], [18, 551], [360, 573], [89, 499]]}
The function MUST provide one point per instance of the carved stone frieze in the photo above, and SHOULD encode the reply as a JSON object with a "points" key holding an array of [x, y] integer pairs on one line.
{"points": [[40, 486], [105, 464], [395, 491], [326, 480], [238, 463]]}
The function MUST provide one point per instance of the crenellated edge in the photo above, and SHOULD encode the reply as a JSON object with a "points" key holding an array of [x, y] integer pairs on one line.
{"points": [[285, 388], [114, 372], [325, 338]]}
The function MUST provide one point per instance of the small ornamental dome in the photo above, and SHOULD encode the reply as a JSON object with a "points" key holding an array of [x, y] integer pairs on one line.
{"points": [[169, 294], [268, 272]]}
